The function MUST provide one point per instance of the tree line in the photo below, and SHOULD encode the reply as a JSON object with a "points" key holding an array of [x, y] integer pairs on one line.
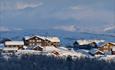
{"points": [[42, 62]]}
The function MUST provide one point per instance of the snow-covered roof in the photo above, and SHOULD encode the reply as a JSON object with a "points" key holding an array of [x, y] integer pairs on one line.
{"points": [[53, 39], [84, 42], [10, 49], [29, 37], [101, 44], [112, 43], [50, 48], [93, 51], [14, 43]]}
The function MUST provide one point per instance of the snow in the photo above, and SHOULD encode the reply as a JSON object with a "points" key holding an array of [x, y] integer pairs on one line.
{"points": [[14, 43], [28, 37], [27, 52], [50, 49], [10, 48], [6, 57], [93, 51], [85, 52], [113, 43], [84, 42], [63, 52], [1, 46], [101, 44], [73, 54], [108, 58], [53, 39]]}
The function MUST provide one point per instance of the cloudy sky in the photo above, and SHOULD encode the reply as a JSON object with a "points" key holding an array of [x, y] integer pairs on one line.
{"points": [[68, 15]]}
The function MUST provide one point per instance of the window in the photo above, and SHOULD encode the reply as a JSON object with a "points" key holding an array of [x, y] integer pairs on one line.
{"points": [[30, 40], [30, 44], [38, 40], [33, 40]]}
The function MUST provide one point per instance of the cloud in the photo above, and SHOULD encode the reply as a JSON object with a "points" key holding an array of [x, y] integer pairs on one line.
{"points": [[89, 18], [27, 5], [76, 8], [85, 13], [88, 15], [14, 5], [70, 28], [17, 29], [3, 29], [109, 28]]}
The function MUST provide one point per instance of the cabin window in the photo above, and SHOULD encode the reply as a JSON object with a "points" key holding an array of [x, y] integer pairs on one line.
{"points": [[38, 40], [33, 40], [106, 46], [10, 46], [30, 40], [30, 44], [14, 46]]}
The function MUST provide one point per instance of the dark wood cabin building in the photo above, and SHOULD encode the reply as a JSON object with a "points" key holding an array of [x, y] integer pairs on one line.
{"points": [[106, 47], [34, 41], [53, 41], [84, 46], [41, 41]]}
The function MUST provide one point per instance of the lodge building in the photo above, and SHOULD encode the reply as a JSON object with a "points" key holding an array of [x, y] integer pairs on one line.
{"points": [[41, 41], [107, 47], [13, 46]]}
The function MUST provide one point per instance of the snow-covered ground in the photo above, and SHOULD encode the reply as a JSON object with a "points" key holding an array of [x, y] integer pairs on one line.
{"points": [[60, 52], [63, 52]]}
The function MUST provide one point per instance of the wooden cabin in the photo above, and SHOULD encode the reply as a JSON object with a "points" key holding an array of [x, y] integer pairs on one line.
{"points": [[35, 41], [53, 41], [106, 47], [86, 44], [41, 41], [14, 44]]}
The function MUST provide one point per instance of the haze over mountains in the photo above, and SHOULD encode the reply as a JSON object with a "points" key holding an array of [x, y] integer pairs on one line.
{"points": [[67, 37]]}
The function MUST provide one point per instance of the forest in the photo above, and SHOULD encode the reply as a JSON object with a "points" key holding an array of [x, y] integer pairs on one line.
{"points": [[42, 62]]}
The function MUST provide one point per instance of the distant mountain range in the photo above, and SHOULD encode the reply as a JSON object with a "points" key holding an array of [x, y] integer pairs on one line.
{"points": [[111, 31], [67, 38]]}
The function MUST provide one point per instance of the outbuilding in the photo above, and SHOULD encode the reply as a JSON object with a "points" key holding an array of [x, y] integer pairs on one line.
{"points": [[14, 44]]}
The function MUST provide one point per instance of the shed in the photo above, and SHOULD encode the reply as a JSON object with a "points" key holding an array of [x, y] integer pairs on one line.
{"points": [[18, 44]]}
